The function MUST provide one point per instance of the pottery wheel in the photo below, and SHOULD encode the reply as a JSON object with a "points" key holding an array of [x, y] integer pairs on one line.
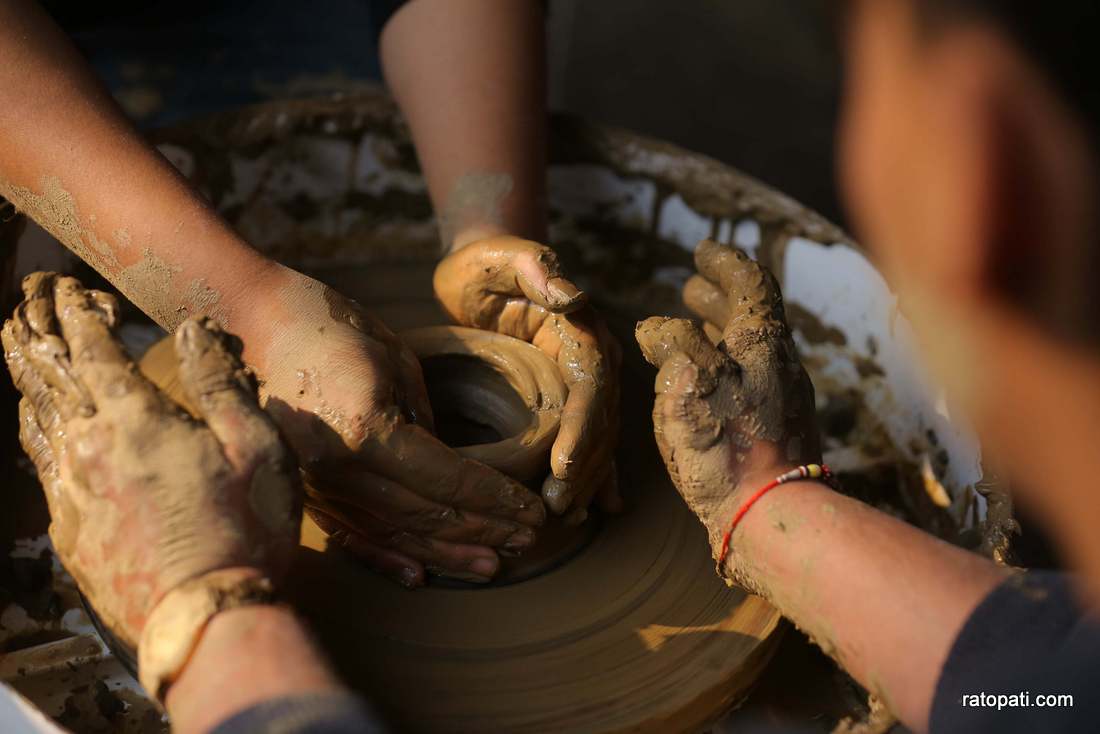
{"points": [[635, 632]]}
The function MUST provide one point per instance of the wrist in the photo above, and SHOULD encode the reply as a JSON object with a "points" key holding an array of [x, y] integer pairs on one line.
{"points": [[277, 299], [265, 646], [177, 623], [476, 233], [738, 518], [252, 299], [721, 513]]}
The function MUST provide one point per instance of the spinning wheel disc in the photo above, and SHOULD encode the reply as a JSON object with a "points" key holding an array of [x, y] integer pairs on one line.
{"points": [[635, 633]]}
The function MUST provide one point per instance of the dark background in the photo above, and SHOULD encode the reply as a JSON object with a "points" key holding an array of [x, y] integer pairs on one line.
{"points": [[753, 83]]}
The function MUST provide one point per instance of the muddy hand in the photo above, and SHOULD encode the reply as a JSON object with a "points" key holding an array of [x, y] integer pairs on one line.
{"points": [[143, 497], [350, 397], [728, 282], [732, 415], [515, 287]]}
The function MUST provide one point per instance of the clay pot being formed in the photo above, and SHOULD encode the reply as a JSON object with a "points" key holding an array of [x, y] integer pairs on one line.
{"points": [[496, 399]]}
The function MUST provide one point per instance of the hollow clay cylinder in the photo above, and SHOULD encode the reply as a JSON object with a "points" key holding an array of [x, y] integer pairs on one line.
{"points": [[483, 379], [482, 385], [477, 379]]}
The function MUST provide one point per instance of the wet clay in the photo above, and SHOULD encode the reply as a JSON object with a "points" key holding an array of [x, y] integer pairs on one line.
{"points": [[514, 286], [633, 633], [715, 403], [98, 432], [528, 429], [505, 387]]}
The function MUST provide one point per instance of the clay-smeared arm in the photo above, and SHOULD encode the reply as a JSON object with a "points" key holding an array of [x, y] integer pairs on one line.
{"points": [[158, 515], [70, 160], [470, 78], [883, 598], [341, 391]]}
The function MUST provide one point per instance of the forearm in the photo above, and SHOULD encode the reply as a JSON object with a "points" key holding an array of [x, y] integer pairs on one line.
{"points": [[883, 598], [470, 79], [246, 656], [70, 160]]}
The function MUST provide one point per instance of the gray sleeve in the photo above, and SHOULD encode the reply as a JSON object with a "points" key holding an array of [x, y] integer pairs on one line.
{"points": [[1028, 639], [339, 713]]}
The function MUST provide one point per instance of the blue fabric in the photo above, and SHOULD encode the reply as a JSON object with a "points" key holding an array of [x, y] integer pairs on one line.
{"points": [[178, 60], [311, 714], [1028, 638]]}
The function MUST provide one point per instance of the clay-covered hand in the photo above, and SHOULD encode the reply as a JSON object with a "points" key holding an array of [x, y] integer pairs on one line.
{"points": [[729, 417], [515, 287], [350, 398], [143, 498]]}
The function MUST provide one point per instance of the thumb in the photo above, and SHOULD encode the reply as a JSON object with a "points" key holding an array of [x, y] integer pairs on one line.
{"points": [[538, 275], [507, 267], [660, 338]]}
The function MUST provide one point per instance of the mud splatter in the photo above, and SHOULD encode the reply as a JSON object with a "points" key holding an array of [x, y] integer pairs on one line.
{"points": [[55, 210]]}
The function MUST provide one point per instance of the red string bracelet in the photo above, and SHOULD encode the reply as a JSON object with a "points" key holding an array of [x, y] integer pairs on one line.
{"points": [[806, 471]]}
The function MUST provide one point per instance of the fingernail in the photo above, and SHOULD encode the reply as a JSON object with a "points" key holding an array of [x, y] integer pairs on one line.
{"points": [[409, 578], [485, 566], [560, 293], [522, 538], [556, 494]]}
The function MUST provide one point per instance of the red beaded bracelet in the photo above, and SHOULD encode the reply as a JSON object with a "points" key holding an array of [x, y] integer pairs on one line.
{"points": [[806, 471]]}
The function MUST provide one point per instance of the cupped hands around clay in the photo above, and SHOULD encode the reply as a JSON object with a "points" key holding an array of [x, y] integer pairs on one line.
{"points": [[515, 287], [350, 397], [142, 496], [736, 412]]}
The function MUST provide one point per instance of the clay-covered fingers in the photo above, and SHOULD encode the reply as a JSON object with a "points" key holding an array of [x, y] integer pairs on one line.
{"points": [[689, 370], [457, 560], [98, 360], [37, 354], [707, 301], [223, 394], [39, 401], [475, 283], [583, 451], [35, 444], [412, 391], [402, 508], [750, 289], [412, 457], [661, 339], [390, 563]]}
